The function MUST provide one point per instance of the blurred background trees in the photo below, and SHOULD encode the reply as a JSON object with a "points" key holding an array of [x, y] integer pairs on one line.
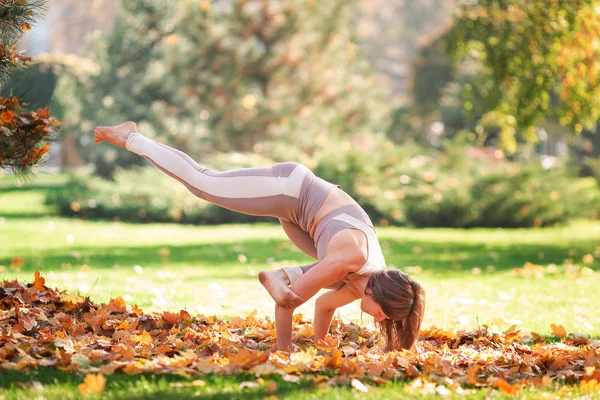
{"points": [[428, 112]]}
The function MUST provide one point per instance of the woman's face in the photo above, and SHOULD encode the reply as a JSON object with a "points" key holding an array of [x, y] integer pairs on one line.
{"points": [[368, 305]]}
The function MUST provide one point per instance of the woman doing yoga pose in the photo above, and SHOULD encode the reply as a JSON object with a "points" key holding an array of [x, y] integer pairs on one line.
{"points": [[321, 219]]}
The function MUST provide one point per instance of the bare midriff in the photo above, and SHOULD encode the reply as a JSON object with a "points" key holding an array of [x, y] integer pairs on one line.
{"points": [[335, 199]]}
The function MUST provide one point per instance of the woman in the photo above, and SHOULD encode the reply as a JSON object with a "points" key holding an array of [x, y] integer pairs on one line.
{"points": [[321, 219]]}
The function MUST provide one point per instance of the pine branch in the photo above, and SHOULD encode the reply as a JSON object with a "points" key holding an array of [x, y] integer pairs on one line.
{"points": [[17, 16]]}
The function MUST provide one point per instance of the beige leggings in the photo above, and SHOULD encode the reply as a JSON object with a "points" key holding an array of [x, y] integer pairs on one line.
{"points": [[289, 191]]}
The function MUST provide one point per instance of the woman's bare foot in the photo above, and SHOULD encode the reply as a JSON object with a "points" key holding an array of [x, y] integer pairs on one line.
{"points": [[278, 289], [116, 135]]}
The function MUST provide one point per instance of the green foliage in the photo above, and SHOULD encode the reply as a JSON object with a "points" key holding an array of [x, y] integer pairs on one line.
{"points": [[274, 70], [123, 78], [537, 60], [403, 185], [198, 75], [509, 196], [146, 194], [35, 84]]}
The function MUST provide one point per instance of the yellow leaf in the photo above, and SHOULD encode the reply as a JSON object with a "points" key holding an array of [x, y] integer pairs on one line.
{"points": [[306, 330], [589, 386], [335, 360], [92, 383], [142, 339]]}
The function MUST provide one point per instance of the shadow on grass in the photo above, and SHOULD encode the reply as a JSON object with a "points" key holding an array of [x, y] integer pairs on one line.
{"points": [[438, 257], [153, 386], [28, 188], [22, 215]]}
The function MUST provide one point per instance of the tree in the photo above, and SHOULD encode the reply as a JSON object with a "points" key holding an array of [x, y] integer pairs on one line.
{"points": [[390, 33], [25, 136], [125, 79], [271, 70], [229, 76], [538, 59]]}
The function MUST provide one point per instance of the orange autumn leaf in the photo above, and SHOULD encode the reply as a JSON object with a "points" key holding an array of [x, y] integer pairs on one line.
{"points": [[43, 150], [558, 330], [95, 319], [171, 317], [134, 368], [328, 344], [245, 358], [46, 333], [38, 281], [92, 384], [335, 360], [17, 262], [136, 310], [472, 371], [506, 387], [44, 112], [7, 117], [117, 305]]}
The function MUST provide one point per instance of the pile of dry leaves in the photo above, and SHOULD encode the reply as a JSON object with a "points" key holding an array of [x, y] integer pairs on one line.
{"points": [[41, 326]]}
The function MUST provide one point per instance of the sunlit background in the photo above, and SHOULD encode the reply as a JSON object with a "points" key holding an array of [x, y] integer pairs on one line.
{"points": [[494, 153]]}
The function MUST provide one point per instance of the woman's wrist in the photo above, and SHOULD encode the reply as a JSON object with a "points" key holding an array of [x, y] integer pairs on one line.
{"points": [[323, 317]]}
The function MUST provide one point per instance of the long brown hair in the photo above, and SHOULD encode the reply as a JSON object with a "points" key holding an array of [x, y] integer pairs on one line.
{"points": [[402, 299]]}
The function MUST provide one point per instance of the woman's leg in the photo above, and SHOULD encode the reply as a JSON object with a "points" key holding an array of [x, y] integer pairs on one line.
{"points": [[267, 191]]}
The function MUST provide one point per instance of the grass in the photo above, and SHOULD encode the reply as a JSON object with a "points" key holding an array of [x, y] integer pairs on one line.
{"points": [[59, 385], [468, 275]]}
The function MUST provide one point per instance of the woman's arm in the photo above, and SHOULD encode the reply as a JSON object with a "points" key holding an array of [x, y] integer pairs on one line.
{"points": [[325, 307], [325, 273], [301, 239], [283, 327]]}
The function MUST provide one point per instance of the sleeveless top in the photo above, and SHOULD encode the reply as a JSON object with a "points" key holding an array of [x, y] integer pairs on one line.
{"points": [[352, 216]]}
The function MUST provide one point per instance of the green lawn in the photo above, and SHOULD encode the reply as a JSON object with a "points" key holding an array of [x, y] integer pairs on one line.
{"points": [[468, 275]]}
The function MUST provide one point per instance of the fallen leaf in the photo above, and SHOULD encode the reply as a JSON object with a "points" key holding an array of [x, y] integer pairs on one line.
{"points": [[291, 378], [92, 383], [558, 330], [38, 281], [506, 387], [358, 385], [196, 382], [248, 385]]}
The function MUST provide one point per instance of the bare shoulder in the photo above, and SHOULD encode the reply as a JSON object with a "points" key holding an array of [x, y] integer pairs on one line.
{"points": [[349, 247]]}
